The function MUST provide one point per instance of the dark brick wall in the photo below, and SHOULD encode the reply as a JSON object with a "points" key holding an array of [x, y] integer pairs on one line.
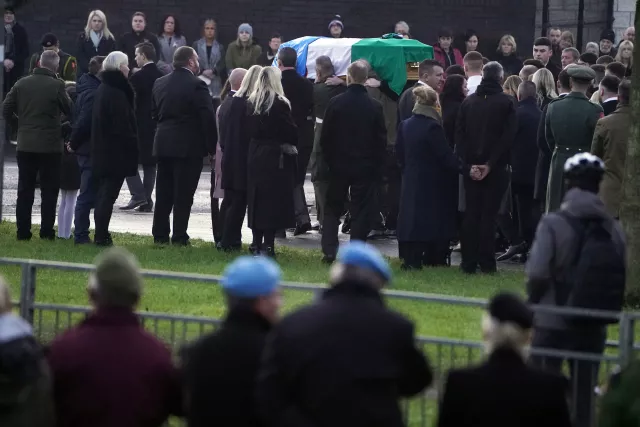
{"points": [[293, 18]]}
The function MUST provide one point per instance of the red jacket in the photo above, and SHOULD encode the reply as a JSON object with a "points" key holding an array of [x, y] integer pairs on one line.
{"points": [[439, 56], [108, 371]]}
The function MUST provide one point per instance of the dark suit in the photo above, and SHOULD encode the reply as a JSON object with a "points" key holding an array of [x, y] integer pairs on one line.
{"points": [[186, 132], [142, 83], [221, 369], [504, 392], [342, 362], [299, 91], [609, 106], [406, 103], [353, 143]]}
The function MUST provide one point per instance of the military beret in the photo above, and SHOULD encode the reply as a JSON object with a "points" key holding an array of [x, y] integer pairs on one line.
{"points": [[581, 73], [510, 308], [249, 277]]}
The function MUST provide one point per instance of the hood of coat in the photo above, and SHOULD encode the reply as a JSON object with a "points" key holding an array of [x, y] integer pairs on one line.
{"points": [[118, 81], [87, 82], [488, 88], [584, 204]]}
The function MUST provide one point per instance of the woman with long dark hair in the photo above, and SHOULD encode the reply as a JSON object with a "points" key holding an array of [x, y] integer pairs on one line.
{"points": [[453, 93], [170, 38]]}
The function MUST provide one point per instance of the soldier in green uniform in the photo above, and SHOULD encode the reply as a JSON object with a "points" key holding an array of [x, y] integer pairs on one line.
{"points": [[68, 65], [569, 126]]}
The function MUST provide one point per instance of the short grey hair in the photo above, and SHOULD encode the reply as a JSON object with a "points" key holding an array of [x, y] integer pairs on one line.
{"points": [[114, 61], [50, 60], [324, 66], [402, 24], [358, 72], [116, 281], [574, 52], [493, 71], [592, 45]]}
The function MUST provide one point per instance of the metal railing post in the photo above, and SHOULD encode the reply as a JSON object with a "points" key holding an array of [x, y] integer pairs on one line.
{"points": [[27, 292], [627, 338]]}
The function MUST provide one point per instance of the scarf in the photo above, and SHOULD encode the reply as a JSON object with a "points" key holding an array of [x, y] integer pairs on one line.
{"points": [[431, 112], [95, 38], [8, 39]]}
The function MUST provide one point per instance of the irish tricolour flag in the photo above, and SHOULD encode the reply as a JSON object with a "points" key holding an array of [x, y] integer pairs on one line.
{"points": [[387, 56]]}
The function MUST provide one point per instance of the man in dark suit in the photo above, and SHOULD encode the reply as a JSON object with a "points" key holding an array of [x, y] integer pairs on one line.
{"points": [[543, 52], [609, 94], [185, 134], [431, 74], [504, 391], [142, 82], [299, 91], [485, 130], [353, 143], [524, 158], [346, 360]]}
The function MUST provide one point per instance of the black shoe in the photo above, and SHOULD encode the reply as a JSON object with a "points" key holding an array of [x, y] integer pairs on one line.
{"points": [[25, 238], [82, 242], [391, 233], [270, 252], [108, 242], [489, 270], [182, 243], [513, 251], [146, 208], [133, 204], [50, 237], [375, 234], [316, 226], [467, 269], [302, 229], [161, 241], [254, 250], [328, 259]]}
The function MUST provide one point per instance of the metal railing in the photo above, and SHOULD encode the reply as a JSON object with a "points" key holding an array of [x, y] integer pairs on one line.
{"points": [[443, 353]]}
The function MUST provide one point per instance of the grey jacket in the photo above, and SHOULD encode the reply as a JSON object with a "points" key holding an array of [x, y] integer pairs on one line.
{"points": [[555, 247]]}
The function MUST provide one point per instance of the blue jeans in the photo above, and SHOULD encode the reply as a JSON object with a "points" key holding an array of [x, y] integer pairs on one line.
{"points": [[86, 200]]}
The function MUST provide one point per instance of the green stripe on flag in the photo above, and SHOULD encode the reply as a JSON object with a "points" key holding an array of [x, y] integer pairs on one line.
{"points": [[389, 58]]}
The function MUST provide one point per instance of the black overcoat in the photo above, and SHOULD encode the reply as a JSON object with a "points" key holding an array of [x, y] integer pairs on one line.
{"points": [[344, 361], [85, 50], [142, 83], [524, 152], [114, 140], [429, 196], [271, 173], [233, 123], [69, 171], [504, 392], [221, 370]]}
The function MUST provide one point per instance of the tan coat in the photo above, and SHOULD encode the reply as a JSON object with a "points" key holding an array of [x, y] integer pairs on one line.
{"points": [[610, 141]]}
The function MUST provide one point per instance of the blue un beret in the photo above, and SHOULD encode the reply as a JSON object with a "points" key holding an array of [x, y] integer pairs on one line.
{"points": [[251, 277], [360, 254]]}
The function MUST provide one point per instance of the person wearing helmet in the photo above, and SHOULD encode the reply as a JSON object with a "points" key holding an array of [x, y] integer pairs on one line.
{"points": [[345, 360], [220, 369], [580, 247]]}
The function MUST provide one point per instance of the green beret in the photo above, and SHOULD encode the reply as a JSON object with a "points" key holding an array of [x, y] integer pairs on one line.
{"points": [[581, 73]]}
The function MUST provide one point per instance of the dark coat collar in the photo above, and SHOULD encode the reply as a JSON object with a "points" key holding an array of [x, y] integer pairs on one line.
{"points": [[529, 102], [506, 356], [44, 72], [356, 88], [112, 317], [247, 318], [118, 81], [353, 289]]}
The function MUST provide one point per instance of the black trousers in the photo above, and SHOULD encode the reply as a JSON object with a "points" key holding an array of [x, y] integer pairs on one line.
{"points": [[415, 255], [299, 198], [29, 166], [217, 210], [525, 210], [235, 206], [584, 374], [391, 190], [361, 191], [176, 184], [482, 199], [108, 189]]}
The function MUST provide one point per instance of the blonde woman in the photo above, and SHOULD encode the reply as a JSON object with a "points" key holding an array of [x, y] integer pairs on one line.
{"points": [[625, 56], [510, 86], [95, 40], [507, 56], [272, 161], [211, 57], [536, 398], [545, 86]]}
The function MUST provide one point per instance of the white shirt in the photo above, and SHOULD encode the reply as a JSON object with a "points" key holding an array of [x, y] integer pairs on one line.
{"points": [[472, 83], [613, 98]]}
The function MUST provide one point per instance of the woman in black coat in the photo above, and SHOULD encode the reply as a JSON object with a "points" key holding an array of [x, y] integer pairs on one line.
{"points": [[507, 57], [272, 162], [428, 201], [114, 142], [69, 174], [95, 40], [453, 93]]}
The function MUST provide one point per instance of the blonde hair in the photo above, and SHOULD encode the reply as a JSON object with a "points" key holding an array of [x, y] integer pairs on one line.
{"points": [[498, 334], [249, 81], [114, 61], [5, 297], [267, 88], [623, 45], [511, 85], [105, 28], [509, 39], [425, 95], [545, 85]]}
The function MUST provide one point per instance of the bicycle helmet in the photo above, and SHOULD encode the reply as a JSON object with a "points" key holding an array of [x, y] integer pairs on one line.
{"points": [[583, 165]]}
